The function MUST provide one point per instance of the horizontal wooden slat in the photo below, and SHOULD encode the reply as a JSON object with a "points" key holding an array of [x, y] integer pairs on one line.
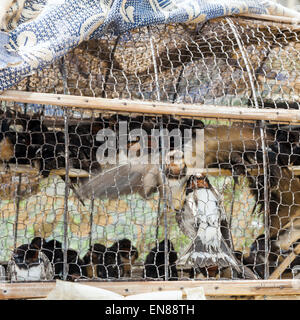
{"points": [[278, 19], [27, 169], [157, 108], [211, 288], [77, 173]]}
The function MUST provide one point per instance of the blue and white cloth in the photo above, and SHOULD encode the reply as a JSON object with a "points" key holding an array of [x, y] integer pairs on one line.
{"points": [[48, 29]]}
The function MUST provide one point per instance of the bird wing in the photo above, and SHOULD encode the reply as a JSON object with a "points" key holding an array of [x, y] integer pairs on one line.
{"points": [[112, 183], [186, 221], [130, 176]]}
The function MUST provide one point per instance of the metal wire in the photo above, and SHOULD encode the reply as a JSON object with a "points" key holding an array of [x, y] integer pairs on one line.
{"points": [[67, 179], [162, 164], [262, 135], [18, 199], [223, 63]]}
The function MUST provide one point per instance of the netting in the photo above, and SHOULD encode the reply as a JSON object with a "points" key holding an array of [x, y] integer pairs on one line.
{"points": [[94, 194]]}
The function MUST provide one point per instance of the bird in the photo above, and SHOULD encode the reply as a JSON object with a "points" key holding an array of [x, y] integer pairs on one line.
{"points": [[26, 139], [229, 273], [203, 220], [6, 150], [93, 261], [12, 144], [139, 170], [100, 262], [54, 252], [241, 142], [75, 266], [256, 259], [128, 254], [29, 263], [154, 265], [123, 179]]}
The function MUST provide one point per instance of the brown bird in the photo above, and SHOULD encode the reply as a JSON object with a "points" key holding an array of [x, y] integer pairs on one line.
{"points": [[154, 266], [139, 171], [100, 262], [128, 254], [6, 145], [92, 260]]}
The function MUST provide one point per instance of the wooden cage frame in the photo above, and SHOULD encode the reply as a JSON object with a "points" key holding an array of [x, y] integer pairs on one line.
{"points": [[214, 289]]}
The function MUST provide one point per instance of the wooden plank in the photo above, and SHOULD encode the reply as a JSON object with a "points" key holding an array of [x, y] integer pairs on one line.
{"points": [[158, 108], [77, 173], [277, 298], [284, 264], [17, 169], [273, 18], [27, 169], [256, 21], [73, 173], [211, 288]]}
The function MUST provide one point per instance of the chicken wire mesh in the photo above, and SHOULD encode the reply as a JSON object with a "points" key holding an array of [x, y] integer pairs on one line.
{"points": [[55, 204]]}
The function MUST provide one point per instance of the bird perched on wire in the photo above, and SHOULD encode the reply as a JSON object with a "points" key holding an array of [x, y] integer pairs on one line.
{"points": [[154, 266], [29, 263], [203, 220], [128, 254]]}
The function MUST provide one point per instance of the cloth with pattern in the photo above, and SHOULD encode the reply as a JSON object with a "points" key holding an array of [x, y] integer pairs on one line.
{"points": [[46, 30]]}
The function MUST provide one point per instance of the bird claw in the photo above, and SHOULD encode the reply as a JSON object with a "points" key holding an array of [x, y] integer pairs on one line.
{"points": [[7, 58]]}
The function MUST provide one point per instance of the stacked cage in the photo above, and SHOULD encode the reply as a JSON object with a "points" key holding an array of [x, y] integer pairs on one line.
{"points": [[80, 197]]}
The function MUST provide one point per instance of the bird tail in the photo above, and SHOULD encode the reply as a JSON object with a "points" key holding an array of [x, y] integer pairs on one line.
{"points": [[205, 255], [202, 255]]}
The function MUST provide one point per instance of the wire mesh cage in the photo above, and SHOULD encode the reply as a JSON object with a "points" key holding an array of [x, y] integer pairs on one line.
{"points": [[68, 214]]}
